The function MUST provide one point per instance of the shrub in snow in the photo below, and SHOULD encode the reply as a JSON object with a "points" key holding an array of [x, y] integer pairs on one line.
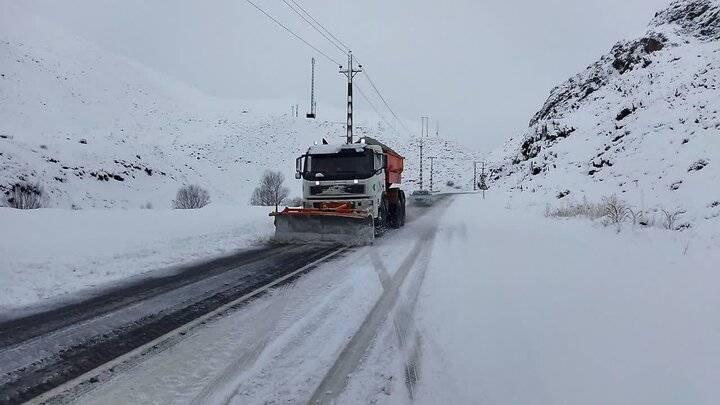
{"points": [[270, 191], [584, 209], [450, 183], [26, 196], [146, 206], [636, 216], [671, 218], [616, 210], [191, 197]]}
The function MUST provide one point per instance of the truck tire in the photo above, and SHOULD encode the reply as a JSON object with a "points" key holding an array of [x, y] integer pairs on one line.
{"points": [[395, 217], [397, 208], [397, 211]]}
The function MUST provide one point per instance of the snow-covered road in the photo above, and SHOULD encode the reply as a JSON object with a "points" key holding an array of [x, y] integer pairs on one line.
{"points": [[280, 347]]}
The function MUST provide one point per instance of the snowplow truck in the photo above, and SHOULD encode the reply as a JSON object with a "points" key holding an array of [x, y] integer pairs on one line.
{"points": [[351, 195]]}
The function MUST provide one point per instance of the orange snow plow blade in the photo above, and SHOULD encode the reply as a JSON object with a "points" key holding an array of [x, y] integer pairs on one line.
{"points": [[338, 224]]}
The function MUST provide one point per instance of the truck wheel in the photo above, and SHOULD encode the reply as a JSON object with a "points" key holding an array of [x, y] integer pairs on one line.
{"points": [[395, 216]]}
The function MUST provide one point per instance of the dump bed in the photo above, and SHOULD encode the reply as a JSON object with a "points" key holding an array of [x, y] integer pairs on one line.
{"points": [[395, 168]]}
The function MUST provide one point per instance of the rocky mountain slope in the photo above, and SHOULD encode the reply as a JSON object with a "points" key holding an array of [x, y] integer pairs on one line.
{"points": [[642, 122], [99, 130]]}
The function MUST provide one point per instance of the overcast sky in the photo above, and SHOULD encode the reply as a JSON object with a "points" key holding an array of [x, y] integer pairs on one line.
{"points": [[481, 68]]}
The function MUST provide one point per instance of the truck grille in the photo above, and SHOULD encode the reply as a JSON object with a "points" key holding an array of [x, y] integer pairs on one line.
{"points": [[338, 189]]}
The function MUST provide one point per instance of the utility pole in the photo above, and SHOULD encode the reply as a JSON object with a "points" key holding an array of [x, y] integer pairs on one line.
{"points": [[423, 130], [350, 72], [421, 163], [483, 178], [432, 160], [311, 114], [475, 176], [437, 129]]}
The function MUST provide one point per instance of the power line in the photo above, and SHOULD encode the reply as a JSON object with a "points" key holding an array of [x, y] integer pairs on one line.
{"points": [[293, 33], [367, 99], [380, 115], [335, 43], [345, 51], [372, 83], [347, 48]]}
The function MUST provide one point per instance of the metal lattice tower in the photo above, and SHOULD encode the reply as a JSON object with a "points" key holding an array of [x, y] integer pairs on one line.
{"points": [[311, 114], [432, 160]]}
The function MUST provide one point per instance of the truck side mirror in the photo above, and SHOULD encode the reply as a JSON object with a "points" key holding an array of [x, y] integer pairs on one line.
{"points": [[379, 163], [298, 167]]}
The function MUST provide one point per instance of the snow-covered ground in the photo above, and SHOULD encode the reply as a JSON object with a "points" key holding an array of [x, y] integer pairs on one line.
{"points": [[519, 309], [502, 306], [49, 253]]}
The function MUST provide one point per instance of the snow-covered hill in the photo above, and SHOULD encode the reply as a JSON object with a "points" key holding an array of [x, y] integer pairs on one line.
{"points": [[642, 122], [100, 130]]}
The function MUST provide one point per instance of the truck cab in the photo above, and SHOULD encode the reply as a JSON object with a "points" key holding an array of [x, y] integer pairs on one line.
{"points": [[355, 176]]}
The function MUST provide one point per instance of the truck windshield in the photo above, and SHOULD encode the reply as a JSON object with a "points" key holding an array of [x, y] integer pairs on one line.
{"points": [[343, 166]]}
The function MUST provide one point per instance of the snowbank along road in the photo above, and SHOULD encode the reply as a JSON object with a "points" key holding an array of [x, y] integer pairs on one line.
{"points": [[66, 352]]}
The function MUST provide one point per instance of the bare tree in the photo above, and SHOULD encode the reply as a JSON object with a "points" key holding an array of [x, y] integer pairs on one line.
{"points": [[191, 197], [26, 196], [270, 191]]}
